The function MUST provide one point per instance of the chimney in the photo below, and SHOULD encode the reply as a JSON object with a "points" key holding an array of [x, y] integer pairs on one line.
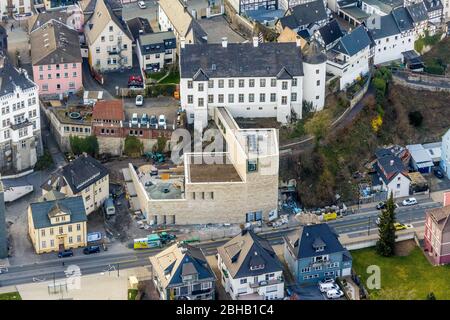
{"points": [[255, 41], [182, 42], [224, 42], [391, 162]]}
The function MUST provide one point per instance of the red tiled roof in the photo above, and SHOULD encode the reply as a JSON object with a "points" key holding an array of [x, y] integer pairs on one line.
{"points": [[108, 110]]}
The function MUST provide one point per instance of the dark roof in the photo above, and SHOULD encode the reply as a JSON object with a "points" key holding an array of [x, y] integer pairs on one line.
{"points": [[10, 78], [157, 42], [403, 19], [389, 165], [62, 45], [180, 260], [388, 27], [313, 236], [353, 42], [137, 24], [40, 211], [248, 255], [305, 15], [78, 174], [418, 12], [37, 21], [433, 5], [241, 60], [330, 32]]}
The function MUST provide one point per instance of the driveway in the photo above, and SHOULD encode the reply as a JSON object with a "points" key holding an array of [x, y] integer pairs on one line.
{"points": [[132, 10], [119, 78], [90, 84]]}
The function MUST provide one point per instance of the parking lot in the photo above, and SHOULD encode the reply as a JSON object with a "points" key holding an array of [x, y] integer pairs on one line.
{"points": [[310, 292], [153, 106]]}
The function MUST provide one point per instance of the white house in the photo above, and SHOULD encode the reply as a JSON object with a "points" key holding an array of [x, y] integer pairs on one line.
{"points": [[155, 50], [12, 7], [349, 58], [84, 177], [445, 154], [109, 39], [250, 269], [250, 79], [392, 173], [390, 42], [20, 128]]}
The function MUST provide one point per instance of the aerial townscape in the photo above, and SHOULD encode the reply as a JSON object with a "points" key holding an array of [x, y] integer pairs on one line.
{"points": [[224, 150]]}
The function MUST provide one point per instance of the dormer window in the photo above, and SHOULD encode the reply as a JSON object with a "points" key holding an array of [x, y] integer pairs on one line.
{"points": [[257, 267], [319, 249]]}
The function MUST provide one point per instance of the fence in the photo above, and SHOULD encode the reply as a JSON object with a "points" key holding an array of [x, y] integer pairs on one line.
{"points": [[371, 240], [422, 81]]}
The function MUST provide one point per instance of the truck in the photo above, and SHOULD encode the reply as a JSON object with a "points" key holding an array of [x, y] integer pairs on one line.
{"points": [[151, 241], [166, 237]]}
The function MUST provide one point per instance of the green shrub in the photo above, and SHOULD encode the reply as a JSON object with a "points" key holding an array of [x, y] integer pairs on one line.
{"points": [[88, 145], [44, 162], [133, 146]]}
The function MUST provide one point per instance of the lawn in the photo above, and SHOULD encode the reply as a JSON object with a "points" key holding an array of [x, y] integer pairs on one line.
{"points": [[173, 77], [410, 277], [10, 296]]}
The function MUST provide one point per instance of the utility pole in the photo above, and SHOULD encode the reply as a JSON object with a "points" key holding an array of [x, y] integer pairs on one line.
{"points": [[118, 272], [368, 227]]}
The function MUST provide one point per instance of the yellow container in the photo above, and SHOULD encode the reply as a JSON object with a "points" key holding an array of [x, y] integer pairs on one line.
{"points": [[329, 216]]}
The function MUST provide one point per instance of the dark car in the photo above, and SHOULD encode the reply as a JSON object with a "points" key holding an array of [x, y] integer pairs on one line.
{"points": [[65, 253], [91, 249], [381, 205], [153, 122], [438, 173]]}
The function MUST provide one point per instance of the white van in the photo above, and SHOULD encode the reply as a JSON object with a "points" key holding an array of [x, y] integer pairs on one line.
{"points": [[324, 287]]}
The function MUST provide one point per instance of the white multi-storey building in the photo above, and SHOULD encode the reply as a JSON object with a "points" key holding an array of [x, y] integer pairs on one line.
{"points": [[84, 177], [390, 41], [109, 39], [20, 129], [349, 58], [445, 154], [12, 7], [251, 79], [250, 269]]}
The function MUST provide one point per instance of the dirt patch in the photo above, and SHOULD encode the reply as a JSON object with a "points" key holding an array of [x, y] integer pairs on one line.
{"points": [[404, 248]]}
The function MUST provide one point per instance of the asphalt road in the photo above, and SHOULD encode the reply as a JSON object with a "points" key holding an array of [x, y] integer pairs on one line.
{"points": [[111, 262]]}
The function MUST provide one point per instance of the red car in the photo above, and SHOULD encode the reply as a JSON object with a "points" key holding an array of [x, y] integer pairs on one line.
{"points": [[134, 79]]}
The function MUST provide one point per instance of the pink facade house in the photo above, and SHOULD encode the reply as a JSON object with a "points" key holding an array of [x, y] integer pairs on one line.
{"points": [[56, 59], [437, 233]]}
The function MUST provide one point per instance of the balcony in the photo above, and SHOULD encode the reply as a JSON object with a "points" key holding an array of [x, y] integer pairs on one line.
{"points": [[266, 283], [319, 263]]}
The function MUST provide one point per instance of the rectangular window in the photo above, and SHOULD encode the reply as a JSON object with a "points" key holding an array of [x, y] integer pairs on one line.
{"points": [[273, 97], [241, 83], [230, 98], [283, 100], [201, 102], [69, 228], [293, 96], [220, 83], [211, 84], [273, 82], [190, 99], [221, 98], [251, 97], [241, 97], [262, 83], [200, 87], [251, 83], [78, 227], [210, 98], [43, 232], [190, 84], [294, 82], [262, 97], [284, 85], [230, 83]]}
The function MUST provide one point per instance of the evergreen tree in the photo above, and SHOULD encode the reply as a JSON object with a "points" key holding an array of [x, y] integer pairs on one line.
{"points": [[386, 230]]}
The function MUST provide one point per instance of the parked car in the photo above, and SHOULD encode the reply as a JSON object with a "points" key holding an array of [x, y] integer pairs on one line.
{"points": [[335, 294], [153, 122], [139, 100], [377, 221], [144, 119], [162, 122], [382, 205], [134, 119], [142, 5], [324, 287], [327, 280], [399, 226], [409, 202], [91, 249], [65, 253], [438, 173], [135, 82]]}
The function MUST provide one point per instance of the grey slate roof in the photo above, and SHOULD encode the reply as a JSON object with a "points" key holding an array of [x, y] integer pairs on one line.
{"points": [[386, 169], [179, 260], [388, 27], [433, 5], [115, 5], [74, 205], [353, 42], [240, 60], [313, 236], [62, 45], [52, 195], [418, 12], [403, 19], [78, 174], [330, 32], [157, 42], [37, 21], [10, 77], [247, 250], [305, 15]]}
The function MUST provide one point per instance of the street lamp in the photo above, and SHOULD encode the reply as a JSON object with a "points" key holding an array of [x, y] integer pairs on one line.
{"points": [[368, 227]]}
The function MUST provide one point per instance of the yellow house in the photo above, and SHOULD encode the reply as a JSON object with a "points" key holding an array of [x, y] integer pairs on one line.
{"points": [[58, 224]]}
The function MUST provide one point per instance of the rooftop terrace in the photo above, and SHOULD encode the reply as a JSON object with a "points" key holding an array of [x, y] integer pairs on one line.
{"points": [[199, 171]]}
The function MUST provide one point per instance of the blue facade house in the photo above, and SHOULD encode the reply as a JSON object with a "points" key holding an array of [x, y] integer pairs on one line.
{"points": [[316, 253]]}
